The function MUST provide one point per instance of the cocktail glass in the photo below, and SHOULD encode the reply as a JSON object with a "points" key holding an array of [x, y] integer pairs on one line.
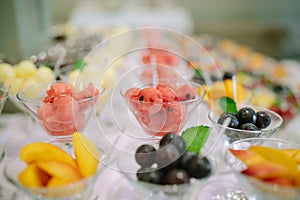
{"points": [[79, 190], [258, 189], [231, 135], [61, 117], [158, 117], [128, 166]]}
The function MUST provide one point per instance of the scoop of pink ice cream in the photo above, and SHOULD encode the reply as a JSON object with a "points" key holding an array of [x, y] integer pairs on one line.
{"points": [[57, 89], [132, 97], [186, 92], [168, 93], [87, 97], [152, 123], [150, 100], [63, 111]]}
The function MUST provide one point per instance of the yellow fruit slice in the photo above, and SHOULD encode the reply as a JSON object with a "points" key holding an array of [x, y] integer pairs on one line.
{"points": [[41, 151], [57, 182], [294, 153], [86, 154], [277, 156], [33, 176], [248, 157], [60, 170]]}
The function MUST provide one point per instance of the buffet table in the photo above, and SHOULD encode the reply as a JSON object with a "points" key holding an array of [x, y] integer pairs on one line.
{"points": [[18, 129]]}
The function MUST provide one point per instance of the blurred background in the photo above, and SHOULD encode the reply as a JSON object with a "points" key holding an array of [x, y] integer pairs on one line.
{"points": [[268, 26]]}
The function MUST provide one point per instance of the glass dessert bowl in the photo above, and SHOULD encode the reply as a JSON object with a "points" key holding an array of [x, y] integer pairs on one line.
{"points": [[58, 174], [163, 107], [168, 175], [268, 175], [60, 108], [258, 127]]}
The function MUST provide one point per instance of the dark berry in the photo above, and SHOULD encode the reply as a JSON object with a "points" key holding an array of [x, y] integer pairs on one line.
{"points": [[263, 119], [167, 156], [184, 159], [249, 127], [234, 123], [199, 167], [174, 139], [246, 115], [228, 75], [150, 175], [145, 155], [177, 176]]}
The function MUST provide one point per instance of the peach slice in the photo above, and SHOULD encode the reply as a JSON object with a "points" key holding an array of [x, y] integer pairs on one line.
{"points": [[60, 170], [266, 170], [278, 157], [248, 157], [86, 154], [33, 176], [56, 182], [40, 151], [294, 153]]}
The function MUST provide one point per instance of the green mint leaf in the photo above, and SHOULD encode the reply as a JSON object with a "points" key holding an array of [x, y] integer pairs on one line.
{"points": [[78, 64], [227, 105], [198, 74], [195, 137]]}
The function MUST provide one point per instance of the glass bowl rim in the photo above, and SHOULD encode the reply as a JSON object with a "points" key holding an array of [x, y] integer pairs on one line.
{"points": [[20, 97], [199, 97], [211, 113]]}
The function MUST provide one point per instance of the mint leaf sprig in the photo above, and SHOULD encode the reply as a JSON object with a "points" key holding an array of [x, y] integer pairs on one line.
{"points": [[196, 137], [228, 105]]}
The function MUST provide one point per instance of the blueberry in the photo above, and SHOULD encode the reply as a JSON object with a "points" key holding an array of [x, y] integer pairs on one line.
{"points": [[174, 139], [184, 159], [199, 167], [150, 175], [249, 127], [263, 119], [145, 155], [167, 156], [234, 123], [177, 176], [228, 75], [246, 115]]}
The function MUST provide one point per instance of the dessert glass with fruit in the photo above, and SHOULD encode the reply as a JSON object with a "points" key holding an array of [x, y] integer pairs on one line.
{"points": [[45, 171], [168, 168], [162, 107], [61, 108], [244, 121], [267, 167]]}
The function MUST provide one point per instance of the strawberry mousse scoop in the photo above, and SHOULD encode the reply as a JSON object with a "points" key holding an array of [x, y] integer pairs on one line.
{"points": [[160, 110], [63, 111]]}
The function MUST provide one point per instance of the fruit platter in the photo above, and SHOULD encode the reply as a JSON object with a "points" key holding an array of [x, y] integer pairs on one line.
{"points": [[151, 114]]}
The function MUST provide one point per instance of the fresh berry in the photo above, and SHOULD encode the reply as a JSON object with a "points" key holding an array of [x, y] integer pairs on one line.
{"points": [[228, 75], [177, 176], [145, 155], [249, 127], [199, 167], [263, 119], [167, 156], [150, 175], [234, 123], [246, 115], [174, 139], [184, 159]]}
